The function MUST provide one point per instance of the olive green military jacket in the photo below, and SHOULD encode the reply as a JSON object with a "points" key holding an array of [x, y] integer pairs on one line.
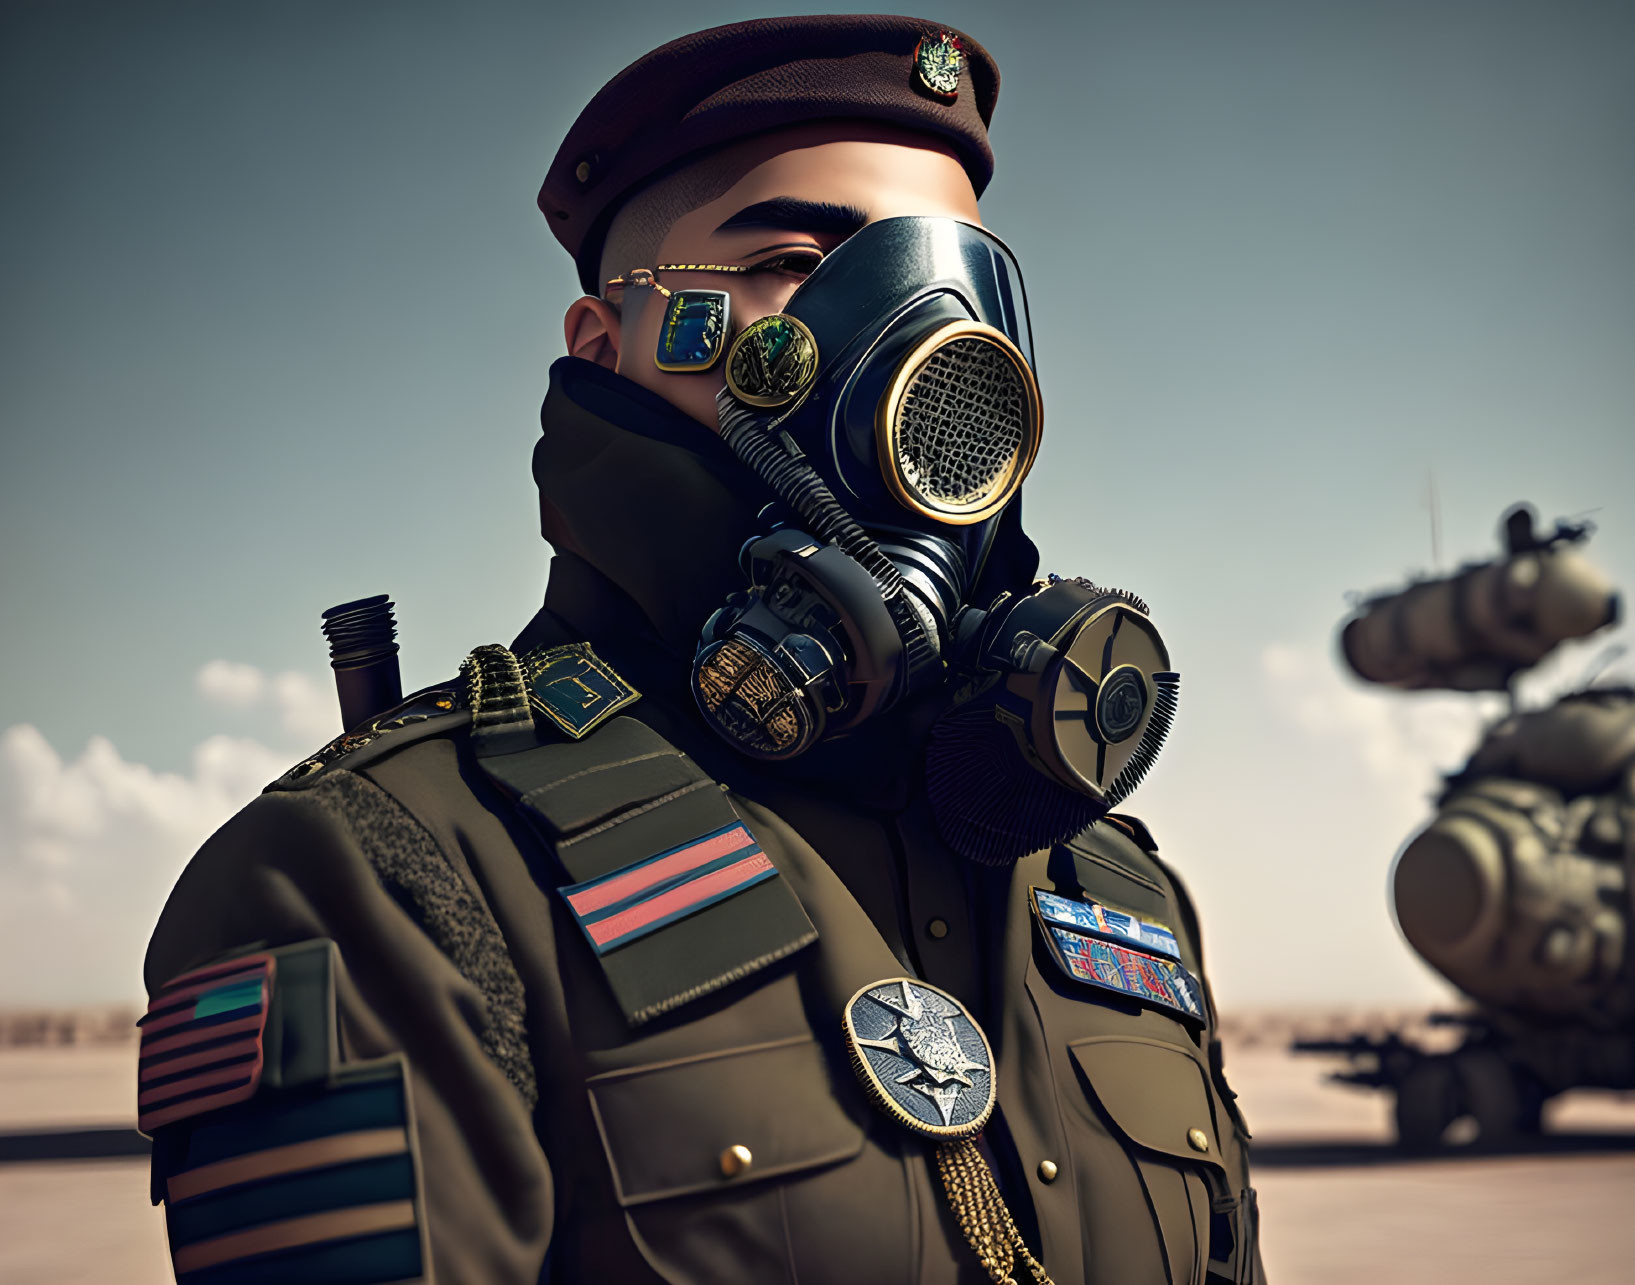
{"points": [[553, 1141], [453, 1089]]}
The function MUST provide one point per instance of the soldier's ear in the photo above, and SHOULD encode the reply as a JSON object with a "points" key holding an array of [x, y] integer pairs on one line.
{"points": [[591, 328]]}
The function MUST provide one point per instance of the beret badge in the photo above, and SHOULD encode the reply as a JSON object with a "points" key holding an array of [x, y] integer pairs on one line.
{"points": [[938, 60]]}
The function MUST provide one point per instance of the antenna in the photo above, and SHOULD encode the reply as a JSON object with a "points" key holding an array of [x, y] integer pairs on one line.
{"points": [[1436, 520], [363, 654]]}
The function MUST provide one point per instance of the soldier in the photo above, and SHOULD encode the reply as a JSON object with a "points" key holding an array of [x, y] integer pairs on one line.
{"points": [[759, 914]]}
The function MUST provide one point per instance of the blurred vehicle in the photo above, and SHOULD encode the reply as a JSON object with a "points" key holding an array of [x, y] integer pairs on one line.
{"points": [[1518, 890]]}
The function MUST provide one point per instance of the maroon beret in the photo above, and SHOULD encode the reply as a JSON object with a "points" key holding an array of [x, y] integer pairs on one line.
{"points": [[715, 87]]}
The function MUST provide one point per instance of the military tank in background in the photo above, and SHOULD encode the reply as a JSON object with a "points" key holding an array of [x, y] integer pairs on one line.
{"points": [[1518, 891]]}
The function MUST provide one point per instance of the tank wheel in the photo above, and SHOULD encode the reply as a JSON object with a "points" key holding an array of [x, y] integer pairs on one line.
{"points": [[1502, 1098], [1428, 1101]]}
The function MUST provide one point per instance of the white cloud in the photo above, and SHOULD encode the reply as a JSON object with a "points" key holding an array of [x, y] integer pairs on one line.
{"points": [[1402, 741], [306, 710], [231, 683], [89, 849]]}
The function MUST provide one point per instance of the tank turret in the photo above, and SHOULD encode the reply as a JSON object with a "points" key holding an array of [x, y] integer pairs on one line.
{"points": [[1508, 897], [1475, 629]]}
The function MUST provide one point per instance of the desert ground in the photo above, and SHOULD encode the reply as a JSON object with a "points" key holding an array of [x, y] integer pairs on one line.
{"points": [[1339, 1206]]}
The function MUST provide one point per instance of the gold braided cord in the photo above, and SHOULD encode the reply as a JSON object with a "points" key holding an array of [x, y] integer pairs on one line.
{"points": [[983, 1217]]}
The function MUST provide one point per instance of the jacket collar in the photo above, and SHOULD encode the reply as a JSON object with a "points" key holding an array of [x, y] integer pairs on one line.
{"points": [[646, 496]]}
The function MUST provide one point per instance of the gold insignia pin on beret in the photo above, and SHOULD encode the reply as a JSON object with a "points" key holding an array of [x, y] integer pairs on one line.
{"points": [[938, 60]]}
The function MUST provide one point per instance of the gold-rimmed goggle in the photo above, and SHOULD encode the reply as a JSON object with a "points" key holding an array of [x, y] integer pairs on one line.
{"points": [[693, 333]]}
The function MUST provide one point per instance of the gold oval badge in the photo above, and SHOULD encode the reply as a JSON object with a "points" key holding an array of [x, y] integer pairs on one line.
{"points": [[921, 1057]]}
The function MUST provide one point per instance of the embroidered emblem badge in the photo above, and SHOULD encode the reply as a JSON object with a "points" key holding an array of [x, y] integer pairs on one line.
{"points": [[921, 1057], [641, 898], [202, 1041], [938, 61], [694, 330], [574, 688]]}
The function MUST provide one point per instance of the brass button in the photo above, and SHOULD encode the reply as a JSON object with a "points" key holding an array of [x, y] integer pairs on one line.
{"points": [[735, 1159], [1048, 1171], [937, 929], [582, 173], [1197, 1139]]}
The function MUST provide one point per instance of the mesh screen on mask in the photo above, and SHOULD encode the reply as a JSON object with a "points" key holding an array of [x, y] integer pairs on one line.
{"points": [[962, 423]]}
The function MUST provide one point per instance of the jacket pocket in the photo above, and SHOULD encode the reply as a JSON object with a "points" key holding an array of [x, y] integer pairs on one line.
{"points": [[730, 1166], [1156, 1095], [667, 1127]]}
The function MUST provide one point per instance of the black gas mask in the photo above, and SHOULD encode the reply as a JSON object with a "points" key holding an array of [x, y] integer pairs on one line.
{"points": [[893, 409]]}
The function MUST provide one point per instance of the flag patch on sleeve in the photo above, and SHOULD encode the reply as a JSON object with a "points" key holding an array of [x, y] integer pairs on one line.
{"points": [[641, 898], [202, 1041]]}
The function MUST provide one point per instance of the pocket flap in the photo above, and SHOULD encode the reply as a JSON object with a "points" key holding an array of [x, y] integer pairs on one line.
{"points": [[1155, 1094], [666, 1127]]}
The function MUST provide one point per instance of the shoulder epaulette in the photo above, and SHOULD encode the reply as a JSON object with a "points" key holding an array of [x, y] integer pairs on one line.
{"points": [[426, 713], [671, 891]]}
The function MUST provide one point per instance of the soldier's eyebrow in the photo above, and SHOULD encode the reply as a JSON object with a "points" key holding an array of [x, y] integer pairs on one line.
{"points": [[792, 214]]}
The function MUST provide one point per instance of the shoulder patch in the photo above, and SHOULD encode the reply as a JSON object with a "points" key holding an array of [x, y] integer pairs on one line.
{"points": [[672, 892], [573, 688], [314, 1189], [426, 712], [274, 1160]]}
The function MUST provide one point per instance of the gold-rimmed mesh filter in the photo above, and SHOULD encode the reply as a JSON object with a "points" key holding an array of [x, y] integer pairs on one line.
{"points": [[960, 425]]}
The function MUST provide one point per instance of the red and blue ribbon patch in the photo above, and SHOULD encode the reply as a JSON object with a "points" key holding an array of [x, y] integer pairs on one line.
{"points": [[1090, 943], [638, 899]]}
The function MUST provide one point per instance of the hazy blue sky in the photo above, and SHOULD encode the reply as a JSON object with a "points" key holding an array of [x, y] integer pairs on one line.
{"points": [[277, 311]]}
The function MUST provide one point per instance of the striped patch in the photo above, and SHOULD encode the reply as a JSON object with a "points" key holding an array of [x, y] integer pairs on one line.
{"points": [[202, 1041], [319, 1189], [1104, 921], [630, 903], [1108, 965]]}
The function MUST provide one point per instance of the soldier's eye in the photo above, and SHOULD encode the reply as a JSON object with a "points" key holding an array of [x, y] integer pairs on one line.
{"points": [[797, 263]]}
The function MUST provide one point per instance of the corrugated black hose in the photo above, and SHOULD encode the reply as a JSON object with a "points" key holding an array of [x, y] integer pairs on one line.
{"points": [[798, 485]]}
